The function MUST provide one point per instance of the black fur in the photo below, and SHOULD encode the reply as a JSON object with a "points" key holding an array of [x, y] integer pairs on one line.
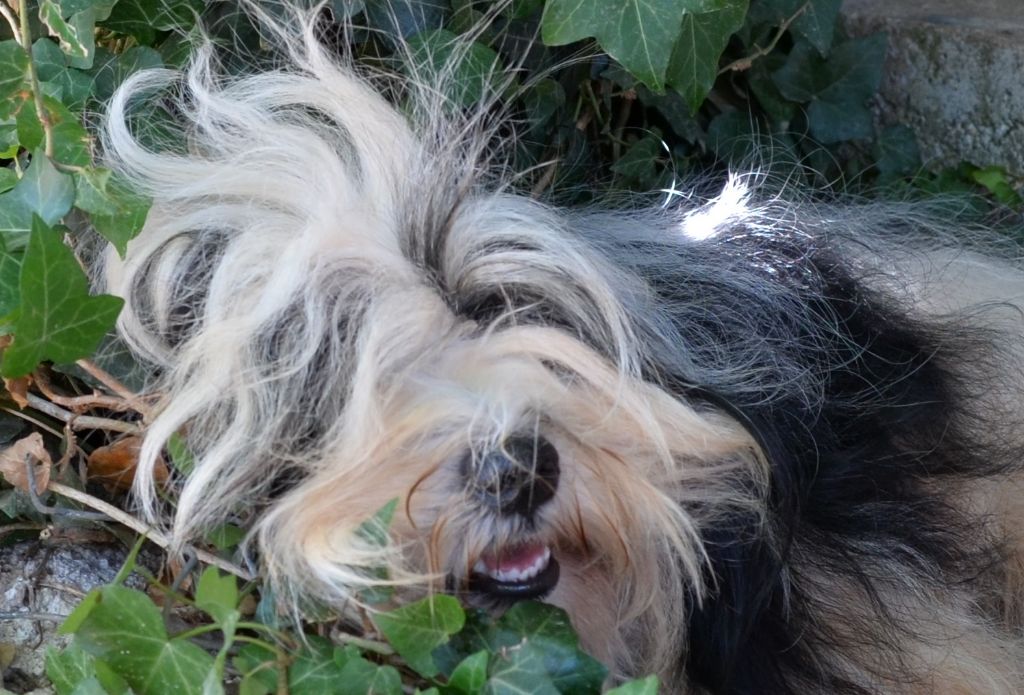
{"points": [[848, 469]]}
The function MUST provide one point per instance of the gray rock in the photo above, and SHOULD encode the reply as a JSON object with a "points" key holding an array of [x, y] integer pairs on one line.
{"points": [[41, 582], [954, 73]]}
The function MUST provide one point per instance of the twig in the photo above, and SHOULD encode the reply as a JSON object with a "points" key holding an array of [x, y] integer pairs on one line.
{"points": [[94, 400], [363, 643], [143, 528], [545, 180], [28, 418], [84, 422], [46, 510], [28, 615], [110, 381], [11, 528], [33, 77], [745, 63]]}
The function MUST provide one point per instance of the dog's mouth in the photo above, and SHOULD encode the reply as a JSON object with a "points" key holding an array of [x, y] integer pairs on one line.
{"points": [[520, 572]]}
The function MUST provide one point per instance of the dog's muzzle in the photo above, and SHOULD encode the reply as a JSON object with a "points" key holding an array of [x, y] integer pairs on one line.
{"points": [[515, 480]]}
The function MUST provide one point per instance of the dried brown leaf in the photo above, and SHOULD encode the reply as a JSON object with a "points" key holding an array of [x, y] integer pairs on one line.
{"points": [[114, 465], [13, 460], [18, 388]]}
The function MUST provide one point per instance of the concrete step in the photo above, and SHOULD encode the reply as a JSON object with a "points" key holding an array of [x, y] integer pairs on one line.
{"points": [[954, 73]]}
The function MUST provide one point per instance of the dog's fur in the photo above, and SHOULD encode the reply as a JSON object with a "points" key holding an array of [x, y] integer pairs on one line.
{"points": [[787, 435]]}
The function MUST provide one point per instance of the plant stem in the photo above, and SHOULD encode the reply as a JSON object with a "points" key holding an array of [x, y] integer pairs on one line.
{"points": [[33, 77]]}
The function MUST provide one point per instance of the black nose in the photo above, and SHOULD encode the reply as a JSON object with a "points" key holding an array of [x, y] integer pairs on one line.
{"points": [[516, 478]]}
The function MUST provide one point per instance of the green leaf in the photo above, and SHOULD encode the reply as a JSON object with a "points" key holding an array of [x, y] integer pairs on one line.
{"points": [[545, 630], [404, 18], [110, 71], [519, 671], [896, 152], [466, 74], [73, 671], [639, 34], [57, 319], [693, 66], [49, 59], [361, 677], [144, 18], [837, 89], [42, 191], [314, 670], [116, 212], [75, 32], [258, 666], [30, 128], [469, 676], [225, 536], [80, 614], [817, 23], [68, 667], [72, 144], [13, 68], [996, 181], [638, 165], [10, 274], [217, 594], [645, 686], [125, 629], [541, 102], [417, 629]]}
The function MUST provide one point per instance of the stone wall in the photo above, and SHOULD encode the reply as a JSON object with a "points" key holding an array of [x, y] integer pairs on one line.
{"points": [[954, 73]]}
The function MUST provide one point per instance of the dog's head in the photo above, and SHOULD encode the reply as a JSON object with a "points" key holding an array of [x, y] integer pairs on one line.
{"points": [[344, 310]]}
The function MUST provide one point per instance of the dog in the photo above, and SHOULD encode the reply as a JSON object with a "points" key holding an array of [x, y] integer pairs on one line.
{"points": [[749, 444]]}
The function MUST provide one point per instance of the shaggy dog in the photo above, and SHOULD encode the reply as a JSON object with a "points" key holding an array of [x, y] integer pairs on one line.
{"points": [[751, 446]]}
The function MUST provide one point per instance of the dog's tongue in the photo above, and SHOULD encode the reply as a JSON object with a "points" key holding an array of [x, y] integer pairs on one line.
{"points": [[518, 558]]}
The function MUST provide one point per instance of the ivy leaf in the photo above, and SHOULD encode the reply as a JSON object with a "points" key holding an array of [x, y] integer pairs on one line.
{"points": [[126, 630], [817, 23], [639, 34], [896, 152], [10, 294], [693, 66], [639, 164], [517, 671], [546, 631], [837, 89], [74, 31], [361, 677], [111, 70], [417, 629], [645, 686], [217, 594], [465, 75], [13, 68], [314, 669], [469, 676], [48, 58], [116, 212], [144, 18], [42, 191], [74, 671], [405, 18], [57, 318]]}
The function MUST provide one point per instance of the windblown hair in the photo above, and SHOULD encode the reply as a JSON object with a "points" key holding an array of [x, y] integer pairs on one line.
{"points": [[775, 442]]}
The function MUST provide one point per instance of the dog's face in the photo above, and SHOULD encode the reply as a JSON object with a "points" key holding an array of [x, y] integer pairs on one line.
{"points": [[526, 465], [333, 298]]}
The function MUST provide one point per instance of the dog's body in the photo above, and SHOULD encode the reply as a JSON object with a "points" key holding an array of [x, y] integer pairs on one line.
{"points": [[752, 447]]}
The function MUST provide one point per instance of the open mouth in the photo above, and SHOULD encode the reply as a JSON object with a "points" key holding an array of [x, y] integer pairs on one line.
{"points": [[520, 572]]}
